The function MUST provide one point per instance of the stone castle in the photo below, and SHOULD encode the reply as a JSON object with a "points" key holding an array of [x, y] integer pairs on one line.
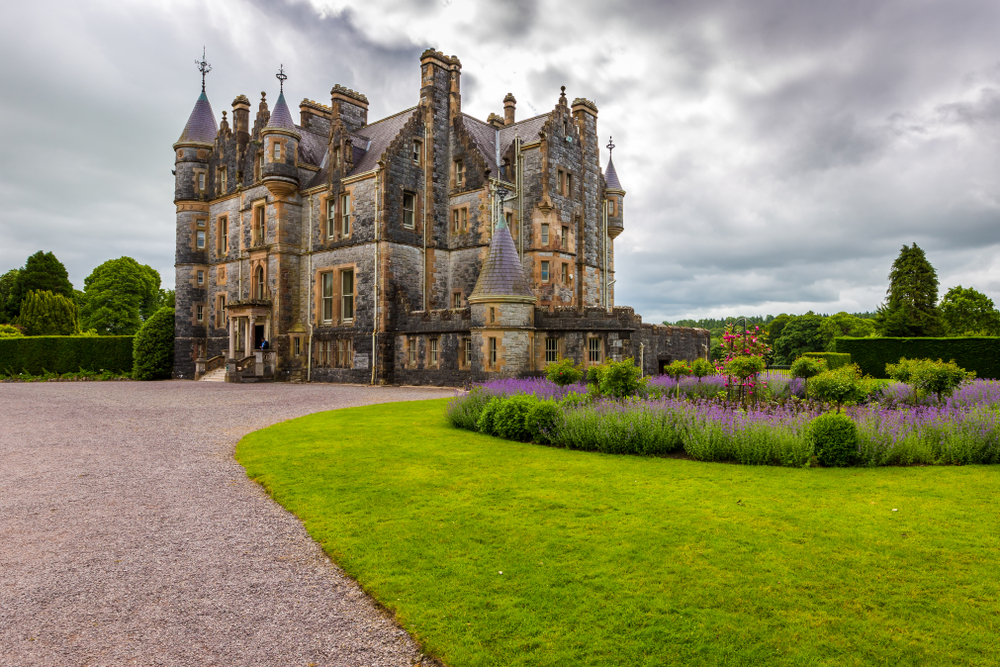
{"points": [[428, 247]]}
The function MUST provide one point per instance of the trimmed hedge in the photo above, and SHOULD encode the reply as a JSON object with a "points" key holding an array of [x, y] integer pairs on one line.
{"points": [[834, 360], [973, 353], [66, 354]]}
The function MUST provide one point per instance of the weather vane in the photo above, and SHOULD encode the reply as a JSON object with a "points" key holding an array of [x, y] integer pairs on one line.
{"points": [[610, 146], [203, 67], [281, 76]]}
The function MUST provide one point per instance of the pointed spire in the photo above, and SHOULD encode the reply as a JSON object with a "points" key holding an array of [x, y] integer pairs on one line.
{"points": [[281, 117], [502, 274], [610, 175], [201, 126]]}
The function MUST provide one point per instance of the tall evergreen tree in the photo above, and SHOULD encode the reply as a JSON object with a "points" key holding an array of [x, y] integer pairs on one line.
{"points": [[7, 281], [46, 314], [910, 308], [41, 272]]}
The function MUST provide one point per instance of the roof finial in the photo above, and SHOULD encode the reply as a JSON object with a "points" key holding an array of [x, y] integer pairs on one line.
{"points": [[203, 67], [562, 95], [281, 76], [610, 146]]}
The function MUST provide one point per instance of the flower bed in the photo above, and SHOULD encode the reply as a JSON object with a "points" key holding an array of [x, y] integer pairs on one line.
{"points": [[890, 429]]}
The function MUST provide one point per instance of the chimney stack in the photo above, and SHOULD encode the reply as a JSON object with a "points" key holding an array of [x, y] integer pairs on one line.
{"points": [[508, 109]]}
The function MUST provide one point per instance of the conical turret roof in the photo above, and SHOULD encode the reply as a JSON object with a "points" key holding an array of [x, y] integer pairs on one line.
{"points": [[502, 274], [611, 177], [281, 118], [201, 125]]}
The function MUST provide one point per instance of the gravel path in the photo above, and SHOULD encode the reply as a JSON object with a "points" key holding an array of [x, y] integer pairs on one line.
{"points": [[130, 536]]}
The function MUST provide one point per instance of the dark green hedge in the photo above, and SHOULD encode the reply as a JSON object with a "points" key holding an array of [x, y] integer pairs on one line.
{"points": [[973, 353], [832, 359], [66, 354]]}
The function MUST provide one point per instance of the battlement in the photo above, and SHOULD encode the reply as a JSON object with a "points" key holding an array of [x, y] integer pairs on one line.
{"points": [[351, 95]]}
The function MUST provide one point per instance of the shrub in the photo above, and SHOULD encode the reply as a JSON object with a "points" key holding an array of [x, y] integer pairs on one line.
{"points": [[594, 374], [833, 360], [509, 419], [464, 411], [10, 331], [620, 379], [153, 352], [563, 373], [35, 355], [843, 385], [940, 378], [46, 314], [485, 423], [835, 439], [806, 367], [543, 421], [702, 368]]}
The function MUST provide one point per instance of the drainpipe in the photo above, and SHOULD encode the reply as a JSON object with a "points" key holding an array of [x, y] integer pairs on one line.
{"points": [[604, 253], [378, 172], [423, 216], [519, 175], [309, 302]]}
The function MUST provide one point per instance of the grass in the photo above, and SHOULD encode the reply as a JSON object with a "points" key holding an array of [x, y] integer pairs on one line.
{"points": [[619, 560]]}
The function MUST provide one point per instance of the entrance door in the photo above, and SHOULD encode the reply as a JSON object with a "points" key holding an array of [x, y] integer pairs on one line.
{"points": [[258, 336], [663, 362]]}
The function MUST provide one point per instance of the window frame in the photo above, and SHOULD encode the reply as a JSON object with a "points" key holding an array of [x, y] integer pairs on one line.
{"points": [[220, 310], [459, 174], [201, 181], [418, 152], [411, 352], [222, 230], [432, 352], [595, 350], [543, 270], [492, 347], [199, 313], [260, 282], [199, 239], [546, 237], [467, 352], [277, 152], [259, 231], [345, 214], [331, 218], [347, 299], [564, 239], [412, 210], [326, 297], [200, 277], [551, 350], [565, 273]]}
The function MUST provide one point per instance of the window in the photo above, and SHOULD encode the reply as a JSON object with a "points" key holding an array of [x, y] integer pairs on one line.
{"points": [[456, 300], [561, 182], [545, 234], [327, 296], [201, 181], [201, 278], [331, 217], [347, 296], [220, 310], [200, 313], [545, 271], [454, 221], [594, 350], [465, 219], [200, 240], [551, 350], [296, 346], [260, 290], [565, 128], [417, 151], [221, 180], [468, 352], [409, 205], [509, 219], [493, 314], [493, 352], [564, 239], [569, 185], [277, 151], [434, 351], [201, 223], [565, 273], [223, 229], [348, 353], [411, 352], [459, 174], [340, 353], [345, 214], [259, 225]]}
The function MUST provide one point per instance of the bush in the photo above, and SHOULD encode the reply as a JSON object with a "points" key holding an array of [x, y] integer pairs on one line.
{"points": [[835, 439], [35, 355], [621, 379], [509, 419], [594, 374], [939, 377], [153, 352], [485, 423], [46, 314], [543, 421], [563, 373], [10, 331], [843, 385], [807, 366], [702, 368], [834, 360], [464, 411], [974, 353]]}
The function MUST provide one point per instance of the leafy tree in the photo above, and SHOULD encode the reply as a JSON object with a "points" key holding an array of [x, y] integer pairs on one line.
{"points": [[777, 326], [807, 367], [910, 308], [46, 314], [42, 272], [802, 334], [968, 311], [940, 378], [7, 281], [676, 370], [841, 385], [119, 295], [153, 347], [702, 368], [845, 324]]}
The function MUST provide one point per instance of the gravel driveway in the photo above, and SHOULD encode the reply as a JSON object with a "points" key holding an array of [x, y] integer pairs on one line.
{"points": [[130, 536]]}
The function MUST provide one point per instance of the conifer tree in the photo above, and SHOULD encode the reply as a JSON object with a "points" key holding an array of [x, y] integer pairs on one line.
{"points": [[46, 314], [42, 271], [7, 281], [910, 308]]}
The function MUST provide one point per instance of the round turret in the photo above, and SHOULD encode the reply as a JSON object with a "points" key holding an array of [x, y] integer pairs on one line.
{"points": [[281, 148], [192, 152], [615, 195]]}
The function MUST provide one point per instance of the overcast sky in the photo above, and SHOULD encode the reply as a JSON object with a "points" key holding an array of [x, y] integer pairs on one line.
{"points": [[776, 155]]}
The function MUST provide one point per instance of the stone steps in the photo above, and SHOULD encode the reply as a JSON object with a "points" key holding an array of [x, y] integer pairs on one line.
{"points": [[218, 375]]}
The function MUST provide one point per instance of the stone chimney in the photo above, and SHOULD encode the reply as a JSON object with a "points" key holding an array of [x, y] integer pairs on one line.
{"points": [[508, 109], [495, 120]]}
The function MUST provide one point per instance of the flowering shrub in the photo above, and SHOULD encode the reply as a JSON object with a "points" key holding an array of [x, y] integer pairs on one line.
{"points": [[621, 379], [563, 373]]}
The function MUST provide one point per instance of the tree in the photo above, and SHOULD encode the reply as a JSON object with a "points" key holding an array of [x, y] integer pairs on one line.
{"points": [[910, 308], [46, 314], [802, 334], [153, 347], [968, 311], [844, 324], [777, 325], [41, 272], [7, 281], [119, 295]]}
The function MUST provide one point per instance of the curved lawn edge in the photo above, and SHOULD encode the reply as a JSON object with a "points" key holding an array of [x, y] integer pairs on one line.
{"points": [[631, 560]]}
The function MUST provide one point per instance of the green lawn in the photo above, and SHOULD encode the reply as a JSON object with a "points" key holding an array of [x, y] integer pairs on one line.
{"points": [[620, 560]]}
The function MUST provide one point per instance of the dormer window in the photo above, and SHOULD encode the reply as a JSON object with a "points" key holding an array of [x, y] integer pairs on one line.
{"points": [[459, 174], [417, 152]]}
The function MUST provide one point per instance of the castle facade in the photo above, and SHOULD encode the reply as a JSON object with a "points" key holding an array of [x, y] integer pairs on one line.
{"points": [[428, 247]]}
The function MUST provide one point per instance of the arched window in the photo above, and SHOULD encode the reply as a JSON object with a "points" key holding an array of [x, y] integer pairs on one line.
{"points": [[259, 283]]}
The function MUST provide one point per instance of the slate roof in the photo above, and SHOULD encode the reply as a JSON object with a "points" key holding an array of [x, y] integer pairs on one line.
{"points": [[485, 136], [527, 129], [201, 125], [312, 147], [281, 118], [611, 177], [375, 138], [502, 273]]}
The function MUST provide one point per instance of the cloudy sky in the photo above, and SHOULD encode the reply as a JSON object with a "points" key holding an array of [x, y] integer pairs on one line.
{"points": [[776, 155]]}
